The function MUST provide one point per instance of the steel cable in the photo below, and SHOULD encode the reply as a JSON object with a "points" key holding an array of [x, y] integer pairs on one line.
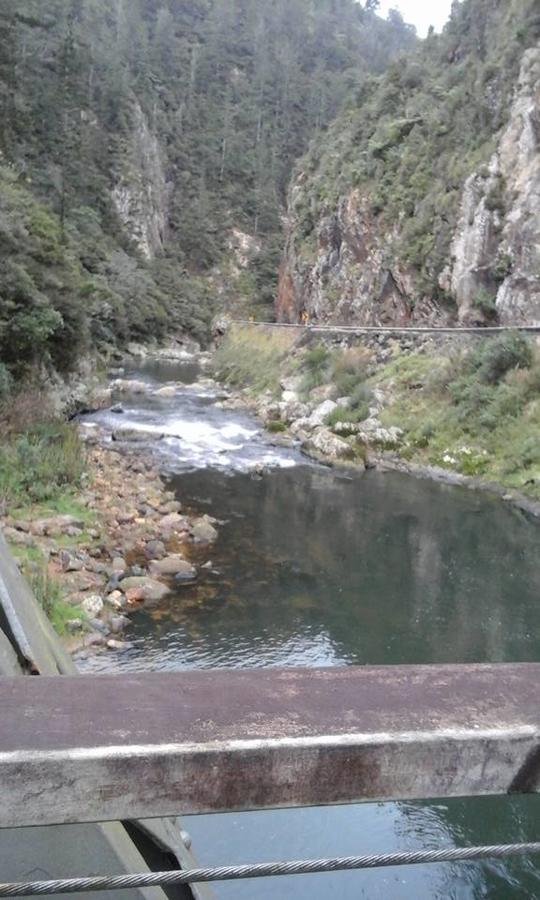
{"points": [[267, 870]]}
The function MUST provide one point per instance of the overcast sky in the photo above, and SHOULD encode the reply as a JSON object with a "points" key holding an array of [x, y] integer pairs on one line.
{"points": [[421, 13]]}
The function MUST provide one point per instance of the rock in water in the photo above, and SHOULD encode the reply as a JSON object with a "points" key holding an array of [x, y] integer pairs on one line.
{"points": [[173, 565], [168, 391], [149, 589], [203, 532]]}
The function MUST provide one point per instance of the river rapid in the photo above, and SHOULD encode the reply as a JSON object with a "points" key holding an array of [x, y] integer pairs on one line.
{"points": [[314, 567]]}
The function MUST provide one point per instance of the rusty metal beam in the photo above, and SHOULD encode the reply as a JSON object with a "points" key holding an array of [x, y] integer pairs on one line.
{"points": [[140, 746]]}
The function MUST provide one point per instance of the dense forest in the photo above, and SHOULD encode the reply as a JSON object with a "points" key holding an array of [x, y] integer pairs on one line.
{"points": [[145, 144]]}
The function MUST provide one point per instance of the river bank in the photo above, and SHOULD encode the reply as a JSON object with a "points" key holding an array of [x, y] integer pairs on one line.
{"points": [[458, 411], [119, 543]]}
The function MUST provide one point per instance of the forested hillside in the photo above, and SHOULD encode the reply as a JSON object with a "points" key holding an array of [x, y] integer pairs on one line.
{"points": [[146, 149], [422, 201]]}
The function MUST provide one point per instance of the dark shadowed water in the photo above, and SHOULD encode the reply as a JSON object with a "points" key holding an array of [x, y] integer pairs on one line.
{"points": [[318, 567]]}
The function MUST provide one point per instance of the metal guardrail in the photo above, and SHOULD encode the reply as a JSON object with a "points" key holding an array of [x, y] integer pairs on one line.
{"points": [[478, 331]]}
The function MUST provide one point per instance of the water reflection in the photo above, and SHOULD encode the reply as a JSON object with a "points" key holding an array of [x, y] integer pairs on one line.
{"points": [[315, 567]]}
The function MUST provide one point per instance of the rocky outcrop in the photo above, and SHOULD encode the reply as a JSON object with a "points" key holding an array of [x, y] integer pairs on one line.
{"points": [[346, 263], [495, 264], [141, 193], [348, 278]]}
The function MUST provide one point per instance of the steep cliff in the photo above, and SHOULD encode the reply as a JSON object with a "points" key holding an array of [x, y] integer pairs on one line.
{"points": [[140, 194], [422, 204], [495, 253]]}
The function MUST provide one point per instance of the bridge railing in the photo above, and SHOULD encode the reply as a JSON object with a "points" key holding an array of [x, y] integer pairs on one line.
{"points": [[88, 749]]}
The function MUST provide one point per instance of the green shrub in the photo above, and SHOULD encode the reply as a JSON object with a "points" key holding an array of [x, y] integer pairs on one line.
{"points": [[39, 464], [349, 369], [315, 368], [353, 415], [497, 356], [50, 596], [486, 303], [275, 427], [253, 358]]}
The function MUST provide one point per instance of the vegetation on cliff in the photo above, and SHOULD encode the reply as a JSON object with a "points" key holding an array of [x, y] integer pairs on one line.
{"points": [[406, 144]]}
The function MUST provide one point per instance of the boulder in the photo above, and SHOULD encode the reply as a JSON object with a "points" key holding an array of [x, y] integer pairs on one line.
{"points": [[173, 565], [168, 391], [372, 432], [119, 566], [19, 538], [119, 624], [133, 435], [321, 412], [98, 625], [56, 525], [92, 606], [145, 588], [117, 600], [202, 531], [70, 562], [173, 522], [95, 640], [289, 397], [155, 550], [326, 443], [173, 506], [302, 426], [129, 386], [292, 410], [119, 645]]}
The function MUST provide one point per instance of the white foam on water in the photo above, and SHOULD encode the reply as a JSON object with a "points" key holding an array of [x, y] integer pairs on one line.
{"points": [[199, 435]]}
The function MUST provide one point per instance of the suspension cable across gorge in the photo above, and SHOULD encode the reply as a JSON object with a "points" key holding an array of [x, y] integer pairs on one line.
{"points": [[266, 870]]}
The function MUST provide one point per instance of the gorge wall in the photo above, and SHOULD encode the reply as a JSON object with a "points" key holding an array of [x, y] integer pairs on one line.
{"points": [[423, 201]]}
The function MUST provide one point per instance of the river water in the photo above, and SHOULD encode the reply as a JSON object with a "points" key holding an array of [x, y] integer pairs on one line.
{"points": [[326, 567]]}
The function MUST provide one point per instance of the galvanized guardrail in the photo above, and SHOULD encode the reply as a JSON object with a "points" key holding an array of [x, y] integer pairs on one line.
{"points": [[478, 331]]}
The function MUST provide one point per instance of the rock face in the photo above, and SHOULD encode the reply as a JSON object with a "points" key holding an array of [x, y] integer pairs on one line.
{"points": [[496, 249], [348, 279], [345, 262], [141, 193]]}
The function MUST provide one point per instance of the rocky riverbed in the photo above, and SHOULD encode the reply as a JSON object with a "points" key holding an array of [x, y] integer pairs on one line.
{"points": [[129, 546]]}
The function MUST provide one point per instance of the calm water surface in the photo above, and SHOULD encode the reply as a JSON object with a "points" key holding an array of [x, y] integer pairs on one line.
{"points": [[318, 567]]}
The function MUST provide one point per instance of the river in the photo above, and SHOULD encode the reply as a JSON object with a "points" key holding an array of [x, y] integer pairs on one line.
{"points": [[315, 567]]}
